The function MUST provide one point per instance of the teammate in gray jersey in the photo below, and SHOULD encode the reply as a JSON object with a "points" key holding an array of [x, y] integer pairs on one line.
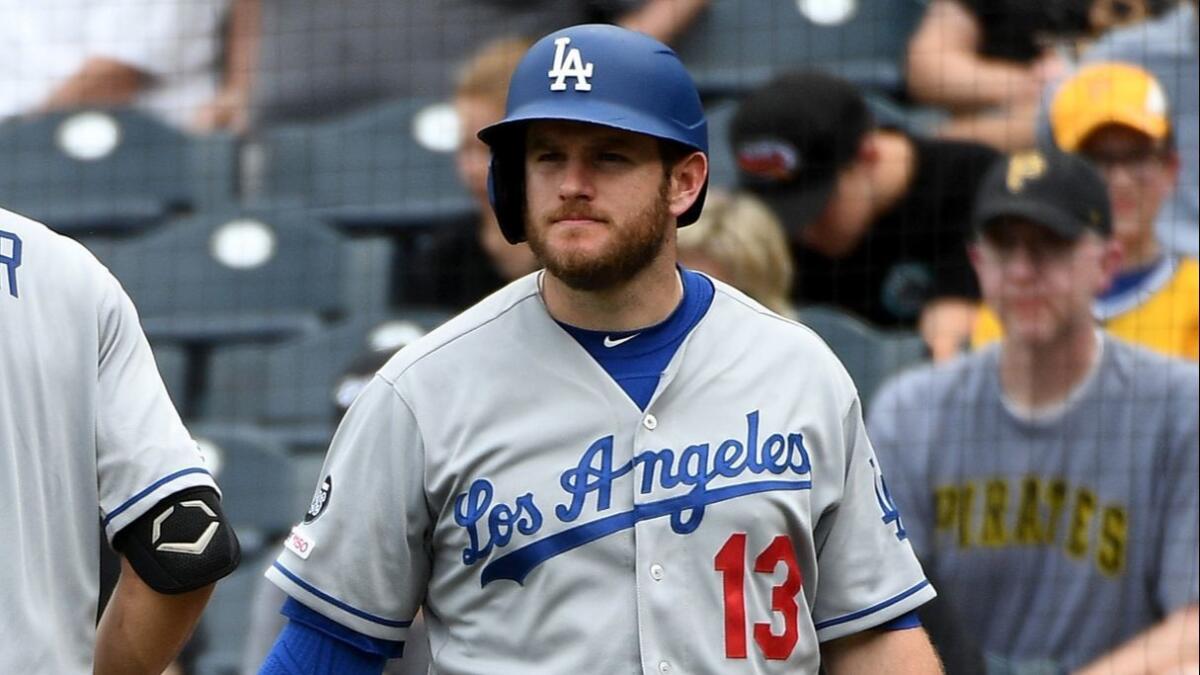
{"points": [[88, 433], [1050, 482], [614, 465]]}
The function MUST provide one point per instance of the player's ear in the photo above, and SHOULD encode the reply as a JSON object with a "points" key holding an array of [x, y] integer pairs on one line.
{"points": [[687, 179]]}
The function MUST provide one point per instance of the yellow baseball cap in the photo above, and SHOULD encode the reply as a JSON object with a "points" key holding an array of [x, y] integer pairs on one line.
{"points": [[1108, 93]]}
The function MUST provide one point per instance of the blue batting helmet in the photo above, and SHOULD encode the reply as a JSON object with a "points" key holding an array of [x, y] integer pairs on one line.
{"points": [[598, 74]]}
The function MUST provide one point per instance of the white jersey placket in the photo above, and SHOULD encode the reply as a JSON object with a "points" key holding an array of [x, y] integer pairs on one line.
{"points": [[652, 567]]}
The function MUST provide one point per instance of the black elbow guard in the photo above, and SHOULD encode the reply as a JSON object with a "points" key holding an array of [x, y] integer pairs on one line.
{"points": [[181, 544]]}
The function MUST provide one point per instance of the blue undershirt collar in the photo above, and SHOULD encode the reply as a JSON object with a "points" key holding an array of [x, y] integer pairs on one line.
{"points": [[636, 359], [1130, 279], [1131, 288]]}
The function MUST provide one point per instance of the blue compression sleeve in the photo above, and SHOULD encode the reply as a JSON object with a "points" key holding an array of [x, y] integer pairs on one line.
{"points": [[902, 622], [303, 650], [299, 613]]}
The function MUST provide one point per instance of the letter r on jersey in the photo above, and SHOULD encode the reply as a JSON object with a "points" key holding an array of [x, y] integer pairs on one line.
{"points": [[10, 259]]}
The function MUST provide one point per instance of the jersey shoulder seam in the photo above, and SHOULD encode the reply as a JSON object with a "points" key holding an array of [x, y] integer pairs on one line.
{"points": [[759, 309], [745, 302], [416, 422], [431, 350]]}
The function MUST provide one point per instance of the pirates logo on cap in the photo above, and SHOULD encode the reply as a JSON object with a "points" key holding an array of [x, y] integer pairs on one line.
{"points": [[1024, 167]]}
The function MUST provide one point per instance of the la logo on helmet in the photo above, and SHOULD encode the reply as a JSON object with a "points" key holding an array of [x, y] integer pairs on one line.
{"points": [[569, 64]]}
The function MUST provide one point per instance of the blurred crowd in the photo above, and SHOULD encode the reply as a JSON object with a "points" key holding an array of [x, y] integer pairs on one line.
{"points": [[1027, 195]]}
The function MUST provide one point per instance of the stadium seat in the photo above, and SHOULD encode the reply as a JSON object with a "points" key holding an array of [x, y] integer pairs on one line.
{"points": [[212, 170], [915, 120], [289, 385], [289, 388], [108, 171], [232, 275], [722, 168], [172, 365], [388, 166], [260, 492], [222, 630], [736, 45], [869, 354], [264, 492], [367, 282]]}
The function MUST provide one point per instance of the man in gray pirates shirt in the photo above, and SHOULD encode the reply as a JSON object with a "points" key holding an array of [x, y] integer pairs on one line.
{"points": [[1050, 483]]}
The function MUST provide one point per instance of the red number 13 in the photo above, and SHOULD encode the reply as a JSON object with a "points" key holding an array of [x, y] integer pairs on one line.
{"points": [[731, 563]]}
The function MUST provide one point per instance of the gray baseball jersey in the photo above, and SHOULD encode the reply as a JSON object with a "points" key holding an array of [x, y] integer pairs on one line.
{"points": [[494, 473], [87, 434], [1057, 536]]}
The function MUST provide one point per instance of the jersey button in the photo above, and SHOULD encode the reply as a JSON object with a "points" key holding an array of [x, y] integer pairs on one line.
{"points": [[657, 572], [650, 422], [664, 666]]}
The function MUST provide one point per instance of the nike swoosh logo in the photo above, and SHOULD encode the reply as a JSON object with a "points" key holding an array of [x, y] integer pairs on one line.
{"points": [[610, 343]]}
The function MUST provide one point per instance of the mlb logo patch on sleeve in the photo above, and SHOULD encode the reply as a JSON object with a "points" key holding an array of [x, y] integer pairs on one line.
{"points": [[320, 500]]}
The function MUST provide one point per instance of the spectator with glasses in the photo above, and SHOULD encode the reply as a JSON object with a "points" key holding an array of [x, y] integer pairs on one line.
{"points": [[1115, 115]]}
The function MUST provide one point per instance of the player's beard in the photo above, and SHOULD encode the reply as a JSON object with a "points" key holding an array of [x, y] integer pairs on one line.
{"points": [[633, 246]]}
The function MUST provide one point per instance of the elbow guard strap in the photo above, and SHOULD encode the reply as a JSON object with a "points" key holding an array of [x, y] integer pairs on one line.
{"points": [[181, 544]]}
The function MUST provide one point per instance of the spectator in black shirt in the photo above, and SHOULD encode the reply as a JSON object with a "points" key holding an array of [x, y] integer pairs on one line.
{"points": [[877, 219]]}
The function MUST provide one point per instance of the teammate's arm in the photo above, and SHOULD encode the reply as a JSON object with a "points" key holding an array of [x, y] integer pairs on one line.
{"points": [[171, 557], [1171, 645], [902, 652], [143, 630]]}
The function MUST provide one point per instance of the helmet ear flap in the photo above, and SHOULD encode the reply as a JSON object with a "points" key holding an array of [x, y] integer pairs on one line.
{"points": [[506, 189]]}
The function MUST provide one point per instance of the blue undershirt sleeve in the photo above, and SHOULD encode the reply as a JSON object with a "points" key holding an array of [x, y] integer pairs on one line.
{"points": [[312, 644], [902, 622], [303, 650]]}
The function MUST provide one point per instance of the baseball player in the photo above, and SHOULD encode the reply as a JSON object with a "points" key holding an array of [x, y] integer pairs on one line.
{"points": [[87, 431], [613, 465], [1050, 480]]}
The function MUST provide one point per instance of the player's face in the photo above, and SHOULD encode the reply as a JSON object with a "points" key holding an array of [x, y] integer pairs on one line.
{"points": [[597, 208], [1140, 174], [1041, 284]]}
